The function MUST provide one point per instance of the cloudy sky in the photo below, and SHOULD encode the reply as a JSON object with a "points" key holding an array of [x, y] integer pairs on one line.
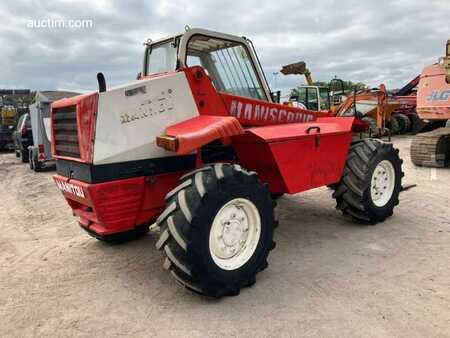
{"points": [[368, 41]]}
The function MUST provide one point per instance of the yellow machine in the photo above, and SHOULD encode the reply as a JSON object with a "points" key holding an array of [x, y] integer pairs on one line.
{"points": [[8, 118]]}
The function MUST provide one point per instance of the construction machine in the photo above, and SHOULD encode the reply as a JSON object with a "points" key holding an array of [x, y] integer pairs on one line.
{"points": [[39, 151], [13, 104], [310, 96], [369, 106], [372, 107], [432, 149], [198, 146], [8, 120]]}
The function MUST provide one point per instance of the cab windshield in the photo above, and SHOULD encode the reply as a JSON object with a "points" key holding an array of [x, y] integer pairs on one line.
{"points": [[162, 58], [228, 64]]}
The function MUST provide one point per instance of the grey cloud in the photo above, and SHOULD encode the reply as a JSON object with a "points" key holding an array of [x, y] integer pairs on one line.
{"points": [[368, 41]]}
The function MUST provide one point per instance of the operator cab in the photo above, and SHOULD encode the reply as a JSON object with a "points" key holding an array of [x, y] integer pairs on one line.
{"points": [[312, 98], [230, 61]]}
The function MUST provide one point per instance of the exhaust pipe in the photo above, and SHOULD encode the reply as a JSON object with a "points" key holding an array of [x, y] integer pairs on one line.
{"points": [[101, 82]]}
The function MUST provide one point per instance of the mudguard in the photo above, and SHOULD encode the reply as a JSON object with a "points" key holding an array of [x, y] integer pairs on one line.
{"points": [[198, 131]]}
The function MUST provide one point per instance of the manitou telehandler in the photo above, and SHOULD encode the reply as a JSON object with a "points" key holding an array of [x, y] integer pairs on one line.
{"points": [[197, 145]]}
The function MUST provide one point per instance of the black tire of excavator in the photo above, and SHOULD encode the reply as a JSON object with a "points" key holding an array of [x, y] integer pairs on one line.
{"points": [[352, 194], [186, 224], [404, 123], [394, 125]]}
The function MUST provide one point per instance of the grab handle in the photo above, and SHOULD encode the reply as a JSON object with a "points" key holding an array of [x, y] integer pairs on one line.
{"points": [[312, 128]]}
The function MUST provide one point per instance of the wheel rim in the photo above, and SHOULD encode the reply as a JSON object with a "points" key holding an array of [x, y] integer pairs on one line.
{"points": [[235, 234], [382, 183]]}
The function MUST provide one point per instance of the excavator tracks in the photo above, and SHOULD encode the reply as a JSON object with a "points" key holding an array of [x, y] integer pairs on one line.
{"points": [[431, 149]]}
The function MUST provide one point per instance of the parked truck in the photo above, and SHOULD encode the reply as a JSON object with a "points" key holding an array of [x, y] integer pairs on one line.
{"points": [[40, 153]]}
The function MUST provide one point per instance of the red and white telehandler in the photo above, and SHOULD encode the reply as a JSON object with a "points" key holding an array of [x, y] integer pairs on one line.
{"points": [[198, 145]]}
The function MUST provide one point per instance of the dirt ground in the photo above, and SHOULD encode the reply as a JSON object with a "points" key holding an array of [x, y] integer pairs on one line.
{"points": [[326, 277]]}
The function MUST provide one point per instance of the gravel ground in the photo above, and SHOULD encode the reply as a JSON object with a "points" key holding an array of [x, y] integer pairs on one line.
{"points": [[327, 276]]}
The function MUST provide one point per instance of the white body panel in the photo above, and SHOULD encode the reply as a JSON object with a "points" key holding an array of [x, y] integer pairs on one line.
{"points": [[130, 117], [48, 127]]}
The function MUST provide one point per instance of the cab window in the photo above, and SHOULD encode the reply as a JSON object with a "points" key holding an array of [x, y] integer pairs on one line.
{"points": [[324, 99], [162, 58], [228, 64], [301, 98], [312, 99]]}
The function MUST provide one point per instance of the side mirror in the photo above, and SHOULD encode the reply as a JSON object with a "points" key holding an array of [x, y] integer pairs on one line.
{"points": [[138, 76]]}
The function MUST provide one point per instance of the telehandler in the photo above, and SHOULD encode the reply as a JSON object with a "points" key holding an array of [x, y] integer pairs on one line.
{"points": [[197, 145]]}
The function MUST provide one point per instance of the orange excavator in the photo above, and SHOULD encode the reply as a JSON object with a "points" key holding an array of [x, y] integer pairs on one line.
{"points": [[432, 149], [371, 106]]}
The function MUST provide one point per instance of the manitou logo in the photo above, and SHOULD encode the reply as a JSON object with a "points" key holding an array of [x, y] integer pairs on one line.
{"points": [[258, 112], [70, 188]]}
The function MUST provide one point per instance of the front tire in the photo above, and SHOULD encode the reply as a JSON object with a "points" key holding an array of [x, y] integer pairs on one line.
{"points": [[217, 229], [371, 183]]}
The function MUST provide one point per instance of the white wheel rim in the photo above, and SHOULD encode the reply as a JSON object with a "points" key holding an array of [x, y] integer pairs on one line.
{"points": [[235, 234], [382, 183]]}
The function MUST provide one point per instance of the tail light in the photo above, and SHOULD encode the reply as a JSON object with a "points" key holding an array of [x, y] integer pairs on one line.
{"points": [[41, 152]]}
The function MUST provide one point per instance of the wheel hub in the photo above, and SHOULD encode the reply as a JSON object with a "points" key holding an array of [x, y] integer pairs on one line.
{"points": [[382, 183], [235, 233]]}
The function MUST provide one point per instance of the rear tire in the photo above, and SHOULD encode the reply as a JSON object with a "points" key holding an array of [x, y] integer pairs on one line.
{"points": [[371, 182], [394, 125], [209, 230], [37, 166], [404, 123], [31, 159], [24, 156]]}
